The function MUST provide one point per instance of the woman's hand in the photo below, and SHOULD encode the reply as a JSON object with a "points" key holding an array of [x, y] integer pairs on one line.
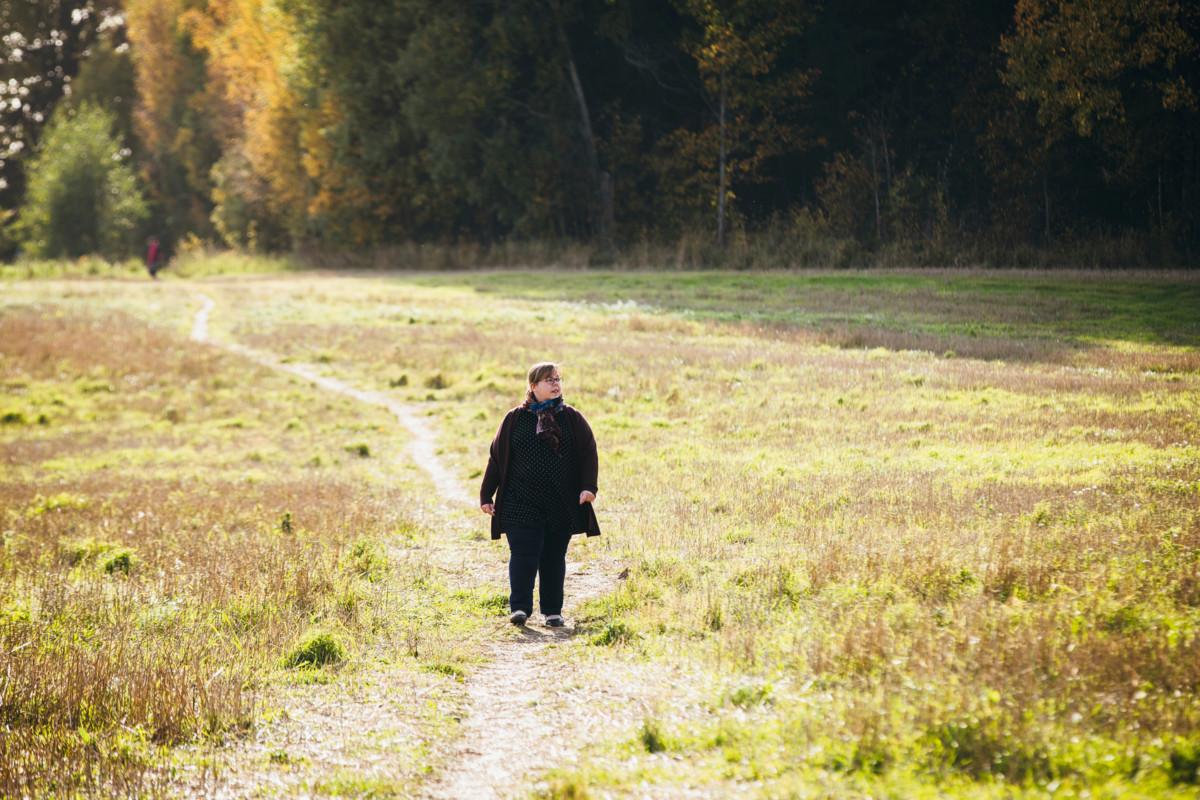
{"points": [[586, 497], [488, 508]]}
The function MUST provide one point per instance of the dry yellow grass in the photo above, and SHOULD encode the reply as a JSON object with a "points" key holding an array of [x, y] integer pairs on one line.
{"points": [[173, 522]]}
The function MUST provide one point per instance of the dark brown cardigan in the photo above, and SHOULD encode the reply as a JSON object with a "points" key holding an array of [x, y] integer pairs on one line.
{"points": [[496, 473]]}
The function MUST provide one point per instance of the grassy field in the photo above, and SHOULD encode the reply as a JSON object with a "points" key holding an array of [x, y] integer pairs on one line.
{"points": [[925, 534]]}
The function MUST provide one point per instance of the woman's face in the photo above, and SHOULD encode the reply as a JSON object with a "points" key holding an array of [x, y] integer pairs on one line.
{"points": [[547, 388]]}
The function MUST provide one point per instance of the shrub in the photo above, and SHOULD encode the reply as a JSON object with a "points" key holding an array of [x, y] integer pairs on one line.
{"points": [[360, 449], [243, 212], [80, 551], [367, 559], [449, 670], [120, 559], [495, 602], [750, 695], [1183, 764], [316, 649], [652, 737], [714, 616], [565, 788], [83, 197], [989, 743], [613, 633], [7, 244]]}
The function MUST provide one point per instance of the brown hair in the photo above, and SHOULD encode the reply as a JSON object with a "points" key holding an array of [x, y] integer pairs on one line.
{"points": [[541, 370]]}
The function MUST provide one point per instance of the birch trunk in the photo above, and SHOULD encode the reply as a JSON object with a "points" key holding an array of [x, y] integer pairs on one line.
{"points": [[1046, 201], [721, 169]]}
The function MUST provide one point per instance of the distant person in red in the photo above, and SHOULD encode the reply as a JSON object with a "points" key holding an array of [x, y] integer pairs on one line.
{"points": [[153, 257]]}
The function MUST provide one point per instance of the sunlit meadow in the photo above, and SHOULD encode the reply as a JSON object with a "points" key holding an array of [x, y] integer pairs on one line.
{"points": [[925, 533]]}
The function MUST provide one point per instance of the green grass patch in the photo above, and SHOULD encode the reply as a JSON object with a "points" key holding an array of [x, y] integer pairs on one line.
{"points": [[317, 648], [347, 783], [613, 633], [449, 670], [63, 501], [367, 559], [109, 557]]}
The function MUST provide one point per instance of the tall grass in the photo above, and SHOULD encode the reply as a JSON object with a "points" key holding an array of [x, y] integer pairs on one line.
{"points": [[804, 242], [927, 534], [954, 568], [85, 267], [168, 540]]}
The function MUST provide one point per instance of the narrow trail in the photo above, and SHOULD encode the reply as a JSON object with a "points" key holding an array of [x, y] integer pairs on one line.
{"points": [[422, 448], [527, 710]]}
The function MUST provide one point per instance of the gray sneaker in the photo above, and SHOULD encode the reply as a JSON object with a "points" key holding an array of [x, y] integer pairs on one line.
{"points": [[555, 620], [518, 618]]}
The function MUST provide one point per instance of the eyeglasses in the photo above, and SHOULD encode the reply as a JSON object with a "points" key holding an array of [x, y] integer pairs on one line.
{"points": [[551, 380]]}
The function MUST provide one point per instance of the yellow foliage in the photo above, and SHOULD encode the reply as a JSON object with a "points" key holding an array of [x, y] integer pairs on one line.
{"points": [[159, 65], [174, 112], [251, 49]]}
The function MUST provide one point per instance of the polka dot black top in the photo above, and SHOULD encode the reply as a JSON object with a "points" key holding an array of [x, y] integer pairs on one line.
{"points": [[539, 486]]}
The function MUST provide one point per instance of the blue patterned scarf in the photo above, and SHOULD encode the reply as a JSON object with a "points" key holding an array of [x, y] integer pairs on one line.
{"points": [[547, 426]]}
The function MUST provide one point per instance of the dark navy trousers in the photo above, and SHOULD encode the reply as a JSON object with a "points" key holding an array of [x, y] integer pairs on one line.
{"points": [[536, 550]]}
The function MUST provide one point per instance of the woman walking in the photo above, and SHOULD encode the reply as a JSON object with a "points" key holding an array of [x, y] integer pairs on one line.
{"points": [[542, 472]]}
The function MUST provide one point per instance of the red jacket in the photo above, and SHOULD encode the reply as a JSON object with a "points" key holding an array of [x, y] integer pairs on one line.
{"points": [[496, 473]]}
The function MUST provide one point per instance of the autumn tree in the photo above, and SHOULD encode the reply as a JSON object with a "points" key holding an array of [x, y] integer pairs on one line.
{"points": [[173, 116], [260, 185], [358, 148], [457, 120], [920, 126], [752, 92], [1115, 72]]}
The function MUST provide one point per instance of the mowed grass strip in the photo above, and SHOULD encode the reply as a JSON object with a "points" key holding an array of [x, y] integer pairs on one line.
{"points": [[1067, 317], [907, 571], [178, 527]]}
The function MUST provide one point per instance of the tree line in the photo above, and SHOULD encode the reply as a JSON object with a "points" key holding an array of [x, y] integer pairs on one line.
{"points": [[911, 126]]}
